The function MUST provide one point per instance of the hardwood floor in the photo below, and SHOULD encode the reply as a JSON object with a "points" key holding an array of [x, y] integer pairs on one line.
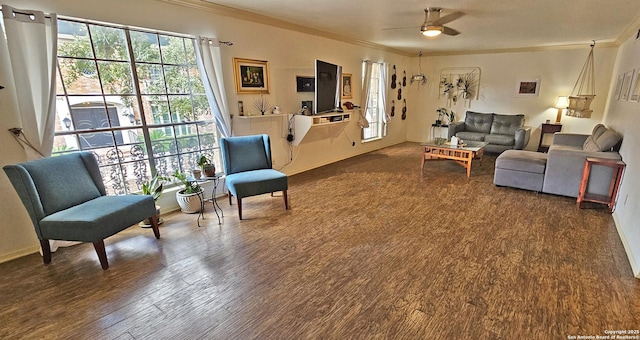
{"points": [[372, 247]]}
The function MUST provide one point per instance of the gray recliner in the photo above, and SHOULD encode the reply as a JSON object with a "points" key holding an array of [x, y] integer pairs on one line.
{"points": [[66, 200]]}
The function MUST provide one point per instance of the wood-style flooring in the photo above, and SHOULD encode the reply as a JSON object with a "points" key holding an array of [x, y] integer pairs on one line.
{"points": [[372, 247]]}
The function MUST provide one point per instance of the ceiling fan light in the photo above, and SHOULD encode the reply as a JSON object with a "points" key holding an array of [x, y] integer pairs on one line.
{"points": [[432, 31]]}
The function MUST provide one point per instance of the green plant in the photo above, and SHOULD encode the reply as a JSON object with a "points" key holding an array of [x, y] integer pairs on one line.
{"points": [[190, 187], [154, 186], [451, 116], [203, 160]]}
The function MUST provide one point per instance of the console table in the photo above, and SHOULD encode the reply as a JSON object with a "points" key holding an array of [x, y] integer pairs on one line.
{"points": [[545, 129], [610, 199]]}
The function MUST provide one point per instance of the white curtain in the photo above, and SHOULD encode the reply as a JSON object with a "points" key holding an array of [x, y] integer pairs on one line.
{"points": [[366, 92], [209, 63], [382, 83], [29, 67]]}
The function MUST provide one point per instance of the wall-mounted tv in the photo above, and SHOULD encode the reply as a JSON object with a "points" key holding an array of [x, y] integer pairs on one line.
{"points": [[327, 95]]}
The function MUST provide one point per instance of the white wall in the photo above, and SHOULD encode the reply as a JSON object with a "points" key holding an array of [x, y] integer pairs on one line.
{"points": [[558, 71], [289, 54], [623, 116]]}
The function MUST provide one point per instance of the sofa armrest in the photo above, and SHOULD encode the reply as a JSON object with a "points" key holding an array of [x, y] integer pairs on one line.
{"points": [[522, 137], [569, 139], [563, 174], [454, 128]]}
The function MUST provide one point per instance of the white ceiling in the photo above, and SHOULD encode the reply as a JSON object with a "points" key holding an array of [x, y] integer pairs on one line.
{"points": [[486, 25]]}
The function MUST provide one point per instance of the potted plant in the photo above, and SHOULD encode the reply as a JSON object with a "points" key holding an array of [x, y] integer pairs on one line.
{"points": [[451, 116], [208, 168], [187, 197], [154, 188]]}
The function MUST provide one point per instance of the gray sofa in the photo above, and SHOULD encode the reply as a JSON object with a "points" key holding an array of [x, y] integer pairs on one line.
{"points": [[501, 131], [560, 170]]}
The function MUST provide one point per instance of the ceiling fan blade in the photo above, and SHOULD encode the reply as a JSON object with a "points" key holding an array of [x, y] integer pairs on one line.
{"points": [[447, 18], [399, 28], [450, 31]]}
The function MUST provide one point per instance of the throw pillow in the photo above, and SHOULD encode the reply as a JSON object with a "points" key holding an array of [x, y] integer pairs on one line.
{"points": [[590, 143], [607, 140]]}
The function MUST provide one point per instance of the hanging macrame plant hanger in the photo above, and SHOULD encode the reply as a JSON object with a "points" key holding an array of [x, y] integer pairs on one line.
{"points": [[584, 90]]}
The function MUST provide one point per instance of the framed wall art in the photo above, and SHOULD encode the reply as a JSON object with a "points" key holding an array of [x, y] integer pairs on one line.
{"points": [[305, 84], [252, 76], [635, 87], [347, 81], [528, 87], [626, 85], [616, 91]]}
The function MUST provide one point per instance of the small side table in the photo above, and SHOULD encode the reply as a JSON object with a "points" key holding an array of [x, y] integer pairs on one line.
{"points": [[439, 129], [545, 129], [610, 198]]}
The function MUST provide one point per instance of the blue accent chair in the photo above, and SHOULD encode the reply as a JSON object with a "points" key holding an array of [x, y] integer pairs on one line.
{"points": [[247, 164], [66, 200]]}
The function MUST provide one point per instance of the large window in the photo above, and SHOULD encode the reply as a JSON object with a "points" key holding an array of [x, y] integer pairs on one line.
{"points": [[135, 99], [375, 111]]}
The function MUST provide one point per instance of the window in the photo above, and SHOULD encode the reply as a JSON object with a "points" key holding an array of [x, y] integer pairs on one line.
{"points": [[375, 111], [135, 99]]}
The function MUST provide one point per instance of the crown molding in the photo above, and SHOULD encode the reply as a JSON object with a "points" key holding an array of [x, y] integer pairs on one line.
{"points": [[270, 21], [630, 31], [599, 44]]}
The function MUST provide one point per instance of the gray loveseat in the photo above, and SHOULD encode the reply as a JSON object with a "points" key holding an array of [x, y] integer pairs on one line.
{"points": [[501, 131], [560, 170]]}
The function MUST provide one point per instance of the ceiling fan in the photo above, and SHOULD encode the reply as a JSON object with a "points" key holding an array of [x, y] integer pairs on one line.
{"points": [[434, 24]]}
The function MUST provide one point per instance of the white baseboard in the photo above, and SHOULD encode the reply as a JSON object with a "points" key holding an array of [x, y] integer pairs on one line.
{"points": [[627, 248], [19, 253]]}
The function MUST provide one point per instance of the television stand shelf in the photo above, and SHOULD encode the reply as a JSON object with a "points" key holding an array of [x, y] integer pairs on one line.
{"points": [[333, 121]]}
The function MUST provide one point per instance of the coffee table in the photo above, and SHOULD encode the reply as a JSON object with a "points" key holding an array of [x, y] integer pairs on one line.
{"points": [[461, 154]]}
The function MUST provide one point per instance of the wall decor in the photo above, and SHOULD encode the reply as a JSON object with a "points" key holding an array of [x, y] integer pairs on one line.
{"points": [[347, 81], [462, 83], [305, 84], [528, 87], [616, 92], [252, 76], [626, 85], [240, 108], [635, 87]]}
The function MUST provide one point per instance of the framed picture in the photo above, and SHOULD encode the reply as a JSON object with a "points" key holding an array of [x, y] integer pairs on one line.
{"points": [[528, 87], [252, 76], [347, 81], [635, 87], [305, 84], [626, 85], [616, 92]]}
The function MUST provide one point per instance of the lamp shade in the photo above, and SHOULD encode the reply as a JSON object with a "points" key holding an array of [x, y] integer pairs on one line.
{"points": [[562, 103]]}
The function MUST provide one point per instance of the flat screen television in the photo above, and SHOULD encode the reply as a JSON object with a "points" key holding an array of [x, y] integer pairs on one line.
{"points": [[327, 94]]}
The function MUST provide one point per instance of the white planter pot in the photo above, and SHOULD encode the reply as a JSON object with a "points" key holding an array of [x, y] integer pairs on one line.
{"points": [[189, 203]]}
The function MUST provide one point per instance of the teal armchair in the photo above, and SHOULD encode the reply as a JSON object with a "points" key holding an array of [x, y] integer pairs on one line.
{"points": [[247, 164], [66, 200]]}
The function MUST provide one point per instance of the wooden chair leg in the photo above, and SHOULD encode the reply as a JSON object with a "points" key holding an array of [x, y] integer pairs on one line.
{"points": [[46, 251], [286, 199], [155, 225], [102, 254], [230, 203], [239, 207]]}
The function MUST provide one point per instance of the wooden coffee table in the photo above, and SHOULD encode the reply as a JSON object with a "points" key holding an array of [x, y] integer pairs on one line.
{"points": [[462, 155]]}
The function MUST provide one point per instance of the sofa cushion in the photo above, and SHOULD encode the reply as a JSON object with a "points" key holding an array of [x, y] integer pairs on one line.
{"points": [[506, 124], [520, 160], [474, 136], [478, 122], [601, 139], [500, 139]]}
